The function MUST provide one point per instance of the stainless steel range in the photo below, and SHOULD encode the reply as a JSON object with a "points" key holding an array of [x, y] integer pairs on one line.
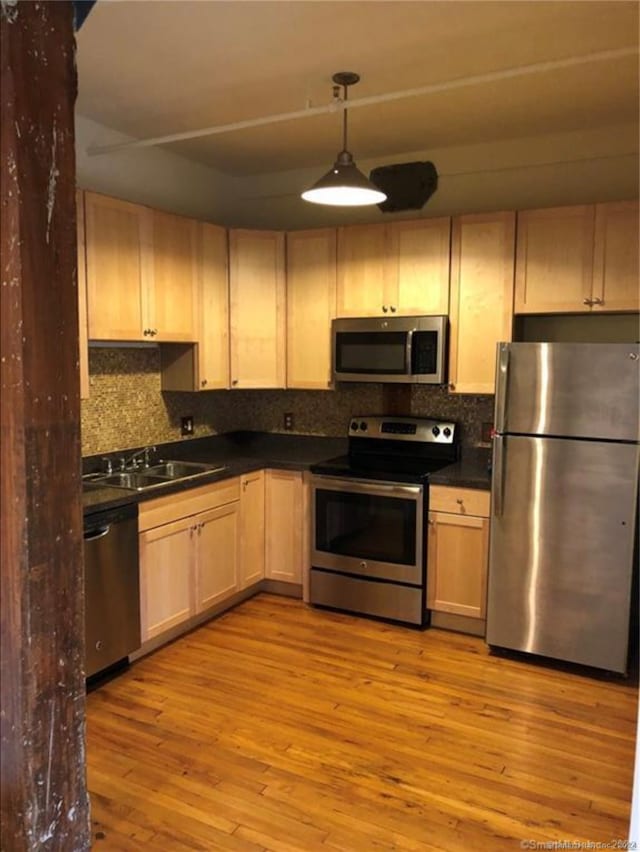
{"points": [[369, 511]]}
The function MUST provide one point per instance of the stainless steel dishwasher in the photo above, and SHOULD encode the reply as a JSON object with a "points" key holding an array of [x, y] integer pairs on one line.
{"points": [[112, 587]]}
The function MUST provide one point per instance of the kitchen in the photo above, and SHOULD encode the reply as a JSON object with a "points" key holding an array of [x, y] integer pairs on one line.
{"points": [[264, 410]]}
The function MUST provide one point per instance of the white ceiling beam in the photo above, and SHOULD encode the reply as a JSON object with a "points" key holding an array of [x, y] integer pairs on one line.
{"points": [[338, 105]]}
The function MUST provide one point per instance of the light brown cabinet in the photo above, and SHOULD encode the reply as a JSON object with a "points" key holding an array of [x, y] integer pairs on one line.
{"points": [[482, 274], [401, 268], [458, 551], [577, 259], [257, 309], [141, 272], [204, 366], [311, 305], [285, 500], [81, 283], [189, 554], [252, 528], [216, 556]]}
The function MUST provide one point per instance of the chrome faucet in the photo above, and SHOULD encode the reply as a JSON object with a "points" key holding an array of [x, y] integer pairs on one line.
{"points": [[140, 458]]}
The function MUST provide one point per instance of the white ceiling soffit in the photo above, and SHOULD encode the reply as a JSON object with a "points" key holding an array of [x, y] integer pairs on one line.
{"points": [[483, 71]]}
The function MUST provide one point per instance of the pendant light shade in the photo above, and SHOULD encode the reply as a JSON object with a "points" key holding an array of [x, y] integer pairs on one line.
{"points": [[344, 185]]}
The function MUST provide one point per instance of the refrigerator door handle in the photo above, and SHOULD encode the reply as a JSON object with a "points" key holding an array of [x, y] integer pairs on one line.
{"points": [[502, 381], [498, 475]]}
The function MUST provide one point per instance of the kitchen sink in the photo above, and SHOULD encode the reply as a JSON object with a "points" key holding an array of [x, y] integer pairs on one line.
{"points": [[151, 477], [182, 469]]}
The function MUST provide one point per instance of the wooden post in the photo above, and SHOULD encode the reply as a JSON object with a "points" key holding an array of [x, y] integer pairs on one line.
{"points": [[43, 785]]}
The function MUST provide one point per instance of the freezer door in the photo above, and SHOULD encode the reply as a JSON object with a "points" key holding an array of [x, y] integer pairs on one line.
{"points": [[577, 390], [561, 551]]}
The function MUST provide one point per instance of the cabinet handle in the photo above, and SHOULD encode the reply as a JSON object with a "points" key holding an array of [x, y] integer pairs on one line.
{"points": [[385, 309], [145, 331], [154, 331], [234, 382], [587, 302], [597, 301], [451, 386], [204, 383], [431, 522], [393, 309], [459, 501]]}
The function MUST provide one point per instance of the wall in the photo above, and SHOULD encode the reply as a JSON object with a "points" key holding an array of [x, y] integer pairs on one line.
{"points": [[127, 409]]}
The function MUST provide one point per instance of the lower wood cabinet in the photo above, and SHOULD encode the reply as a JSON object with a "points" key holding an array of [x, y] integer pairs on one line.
{"points": [[458, 551], [252, 528], [285, 516], [189, 554], [216, 555]]}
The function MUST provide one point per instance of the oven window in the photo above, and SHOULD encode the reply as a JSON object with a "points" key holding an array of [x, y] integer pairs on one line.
{"points": [[371, 352], [366, 526]]}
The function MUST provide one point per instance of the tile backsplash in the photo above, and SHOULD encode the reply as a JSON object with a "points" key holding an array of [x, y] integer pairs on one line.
{"points": [[127, 408]]}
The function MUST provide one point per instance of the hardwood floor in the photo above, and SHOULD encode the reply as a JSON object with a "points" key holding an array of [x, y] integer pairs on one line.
{"points": [[279, 727]]}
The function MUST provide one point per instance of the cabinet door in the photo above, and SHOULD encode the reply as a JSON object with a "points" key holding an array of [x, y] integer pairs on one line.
{"points": [[117, 238], [458, 552], [482, 270], [361, 271], [213, 345], [252, 525], [284, 519], [615, 265], [166, 576], [311, 305], [554, 260], [257, 309], [418, 266], [217, 534], [81, 283], [174, 278]]}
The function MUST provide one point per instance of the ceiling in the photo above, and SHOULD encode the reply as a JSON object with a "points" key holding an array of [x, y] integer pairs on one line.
{"points": [[154, 68]]}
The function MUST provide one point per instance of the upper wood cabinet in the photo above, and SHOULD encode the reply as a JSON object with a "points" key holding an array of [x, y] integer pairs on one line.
{"points": [[117, 238], [83, 343], [141, 272], [311, 305], [577, 259], [482, 271], [616, 285], [257, 309], [417, 261], [401, 268]]}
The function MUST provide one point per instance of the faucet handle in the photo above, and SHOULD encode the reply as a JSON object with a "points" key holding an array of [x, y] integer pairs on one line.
{"points": [[147, 453], [108, 468]]}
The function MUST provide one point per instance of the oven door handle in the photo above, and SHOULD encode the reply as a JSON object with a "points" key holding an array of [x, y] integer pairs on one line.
{"points": [[364, 486]]}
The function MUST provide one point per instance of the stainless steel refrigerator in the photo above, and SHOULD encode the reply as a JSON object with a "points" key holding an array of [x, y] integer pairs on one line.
{"points": [[564, 495]]}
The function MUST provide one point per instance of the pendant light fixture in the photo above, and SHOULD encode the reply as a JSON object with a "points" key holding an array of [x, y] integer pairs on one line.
{"points": [[344, 185]]}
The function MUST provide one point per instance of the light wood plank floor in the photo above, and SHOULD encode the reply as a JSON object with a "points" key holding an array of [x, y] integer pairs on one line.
{"points": [[279, 727]]}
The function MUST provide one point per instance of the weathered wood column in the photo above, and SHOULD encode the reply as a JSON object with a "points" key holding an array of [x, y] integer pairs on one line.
{"points": [[44, 798]]}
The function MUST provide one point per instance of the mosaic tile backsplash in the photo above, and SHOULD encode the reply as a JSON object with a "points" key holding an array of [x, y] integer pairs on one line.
{"points": [[127, 408]]}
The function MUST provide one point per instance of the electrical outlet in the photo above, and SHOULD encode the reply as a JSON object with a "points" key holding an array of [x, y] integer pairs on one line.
{"points": [[186, 425], [288, 421], [486, 433]]}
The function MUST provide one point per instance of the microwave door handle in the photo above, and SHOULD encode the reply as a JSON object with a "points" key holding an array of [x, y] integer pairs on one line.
{"points": [[409, 349]]}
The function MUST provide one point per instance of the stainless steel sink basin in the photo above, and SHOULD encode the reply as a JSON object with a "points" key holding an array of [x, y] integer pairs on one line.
{"points": [[182, 469], [133, 481], [152, 477]]}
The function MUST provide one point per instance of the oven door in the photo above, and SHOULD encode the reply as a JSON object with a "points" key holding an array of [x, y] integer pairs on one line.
{"points": [[371, 529]]}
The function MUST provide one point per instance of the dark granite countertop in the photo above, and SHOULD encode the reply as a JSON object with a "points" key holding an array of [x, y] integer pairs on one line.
{"points": [[470, 471], [241, 452]]}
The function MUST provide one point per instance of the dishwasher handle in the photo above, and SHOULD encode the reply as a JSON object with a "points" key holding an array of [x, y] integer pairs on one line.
{"points": [[100, 532]]}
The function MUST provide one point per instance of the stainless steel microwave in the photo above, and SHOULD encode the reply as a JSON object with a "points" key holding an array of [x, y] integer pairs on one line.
{"points": [[390, 349]]}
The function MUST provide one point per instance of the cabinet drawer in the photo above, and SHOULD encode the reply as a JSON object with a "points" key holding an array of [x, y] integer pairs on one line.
{"points": [[459, 501], [164, 510]]}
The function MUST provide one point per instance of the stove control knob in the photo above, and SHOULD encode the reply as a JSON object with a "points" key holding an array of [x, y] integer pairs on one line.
{"points": [[446, 432], [435, 431], [354, 425], [363, 426]]}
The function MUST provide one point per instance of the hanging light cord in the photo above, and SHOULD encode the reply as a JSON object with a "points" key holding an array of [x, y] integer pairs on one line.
{"points": [[344, 119]]}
